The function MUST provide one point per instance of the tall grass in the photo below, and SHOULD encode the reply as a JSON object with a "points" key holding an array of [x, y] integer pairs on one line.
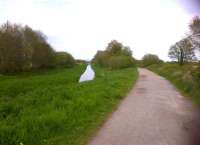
{"points": [[52, 108], [181, 77]]}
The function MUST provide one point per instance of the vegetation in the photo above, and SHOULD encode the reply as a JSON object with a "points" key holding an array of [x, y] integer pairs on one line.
{"points": [[182, 51], [64, 59], [23, 49], [195, 25], [195, 31], [186, 78], [150, 59], [51, 108], [116, 56], [80, 61]]}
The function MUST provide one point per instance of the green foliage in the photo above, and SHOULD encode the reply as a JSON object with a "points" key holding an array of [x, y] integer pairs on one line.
{"points": [[186, 77], [80, 61], [149, 59], [41, 54], [118, 62], [195, 72], [24, 49], [116, 56], [52, 108], [101, 59], [12, 50], [64, 59]]}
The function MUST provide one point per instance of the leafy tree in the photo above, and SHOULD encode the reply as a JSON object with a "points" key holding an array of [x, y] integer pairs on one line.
{"points": [[64, 59], [42, 54], [149, 59], [182, 51], [101, 58], [22, 48], [195, 30], [127, 51], [12, 49], [114, 47], [115, 56]]}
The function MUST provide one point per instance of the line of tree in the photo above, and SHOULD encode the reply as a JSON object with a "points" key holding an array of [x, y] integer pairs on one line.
{"points": [[116, 56], [23, 49], [184, 50]]}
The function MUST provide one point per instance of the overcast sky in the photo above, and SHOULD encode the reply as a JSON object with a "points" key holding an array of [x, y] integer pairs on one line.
{"points": [[81, 27]]}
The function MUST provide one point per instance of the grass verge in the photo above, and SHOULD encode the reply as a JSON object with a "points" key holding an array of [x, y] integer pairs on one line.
{"points": [[51, 108], [181, 77]]}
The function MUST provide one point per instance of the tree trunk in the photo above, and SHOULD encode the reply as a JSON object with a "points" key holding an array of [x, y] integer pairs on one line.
{"points": [[181, 57]]}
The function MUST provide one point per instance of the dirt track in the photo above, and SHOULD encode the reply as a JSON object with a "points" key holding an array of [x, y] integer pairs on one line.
{"points": [[153, 113]]}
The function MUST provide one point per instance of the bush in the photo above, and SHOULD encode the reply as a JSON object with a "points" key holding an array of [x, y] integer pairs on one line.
{"points": [[80, 61], [117, 62], [101, 58], [195, 72], [150, 59], [116, 56], [64, 59]]}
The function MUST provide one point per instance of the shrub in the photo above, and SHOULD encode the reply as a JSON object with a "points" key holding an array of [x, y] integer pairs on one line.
{"points": [[150, 59], [116, 56], [195, 72], [101, 58], [80, 61], [64, 59], [117, 62]]}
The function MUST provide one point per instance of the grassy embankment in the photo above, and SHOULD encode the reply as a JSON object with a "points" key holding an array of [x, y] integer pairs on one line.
{"points": [[51, 108], [181, 77]]}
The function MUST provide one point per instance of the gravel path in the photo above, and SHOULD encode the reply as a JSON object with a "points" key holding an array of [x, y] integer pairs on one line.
{"points": [[153, 113]]}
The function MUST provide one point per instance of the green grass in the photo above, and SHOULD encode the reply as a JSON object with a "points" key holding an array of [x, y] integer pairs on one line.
{"points": [[51, 108], [181, 77]]}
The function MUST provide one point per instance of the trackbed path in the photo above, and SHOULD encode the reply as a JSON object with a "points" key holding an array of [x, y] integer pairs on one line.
{"points": [[153, 113]]}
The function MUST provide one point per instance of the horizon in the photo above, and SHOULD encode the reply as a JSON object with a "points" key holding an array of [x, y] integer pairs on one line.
{"points": [[83, 28]]}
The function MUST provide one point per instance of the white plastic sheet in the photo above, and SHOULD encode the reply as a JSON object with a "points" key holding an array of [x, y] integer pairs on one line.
{"points": [[88, 75]]}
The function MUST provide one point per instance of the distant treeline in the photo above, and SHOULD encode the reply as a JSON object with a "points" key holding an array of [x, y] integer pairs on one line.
{"points": [[24, 49], [116, 56]]}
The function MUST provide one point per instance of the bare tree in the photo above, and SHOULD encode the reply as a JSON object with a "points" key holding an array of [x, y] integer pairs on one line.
{"points": [[182, 51]]}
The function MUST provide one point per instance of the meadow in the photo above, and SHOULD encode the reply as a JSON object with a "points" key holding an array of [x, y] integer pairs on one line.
{"points": [[185, 77], [52, 108]]}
